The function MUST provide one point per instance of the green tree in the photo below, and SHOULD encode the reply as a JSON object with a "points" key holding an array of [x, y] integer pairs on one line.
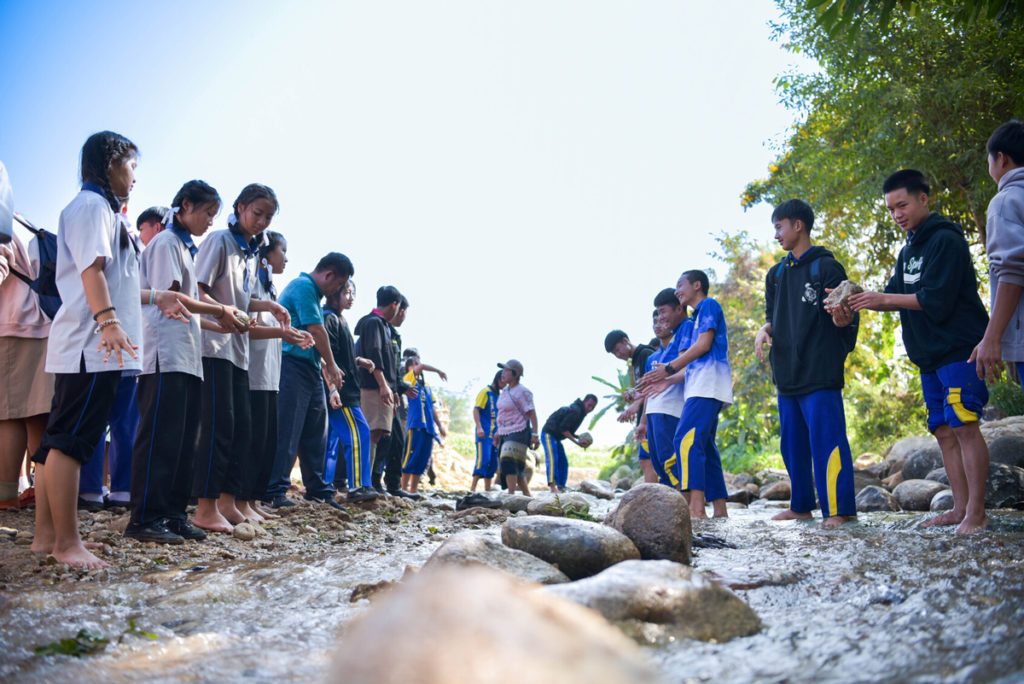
{"points": [[460, 409], [919, 92], [838, 15]]}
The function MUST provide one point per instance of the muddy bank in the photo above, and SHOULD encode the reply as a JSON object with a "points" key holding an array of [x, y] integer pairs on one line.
{"points": [[877, 600]]}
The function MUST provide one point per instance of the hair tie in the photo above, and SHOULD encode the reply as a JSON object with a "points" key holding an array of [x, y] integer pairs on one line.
{"points": [[169, 216], [232, 219]]}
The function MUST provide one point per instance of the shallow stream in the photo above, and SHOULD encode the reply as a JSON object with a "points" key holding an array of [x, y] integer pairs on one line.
{"points": [[879, 600]]}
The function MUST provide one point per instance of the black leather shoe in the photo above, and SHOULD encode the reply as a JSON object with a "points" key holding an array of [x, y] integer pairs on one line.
{"points": [[185, 529], [404, 494], [89, 506], [155, 531], [330, 502], [361, 494], [281, 502]]}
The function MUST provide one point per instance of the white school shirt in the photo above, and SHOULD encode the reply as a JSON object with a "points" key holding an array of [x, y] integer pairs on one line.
{"points": [[264, 355], [231, 275], [89, 229], [175, 345]]}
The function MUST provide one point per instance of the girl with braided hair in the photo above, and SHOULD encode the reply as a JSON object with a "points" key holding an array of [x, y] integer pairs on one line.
{"points": [[101, 316]]}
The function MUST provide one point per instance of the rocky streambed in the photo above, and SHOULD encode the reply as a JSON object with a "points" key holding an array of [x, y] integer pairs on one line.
{"points": [[877, 600]]}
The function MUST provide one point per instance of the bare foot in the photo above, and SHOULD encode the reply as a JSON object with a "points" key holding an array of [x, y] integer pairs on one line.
{"points": [[80, 557], [836, 520], [953, 517], [264, 512], [230, 513], [41, 545], [972, 526], [790, 514], [249, 512], [701, 514], [214, 523]]}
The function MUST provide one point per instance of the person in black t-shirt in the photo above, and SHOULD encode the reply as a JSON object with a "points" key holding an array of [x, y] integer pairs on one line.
{"points": [[563, 424]]}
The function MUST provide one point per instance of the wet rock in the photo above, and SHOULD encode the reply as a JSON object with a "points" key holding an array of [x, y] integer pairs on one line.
{"points": [[865, 478], [660, 601], [467, 617], [922, 461], [8, 532], [880, 469], [598, 488], [742, 479], [479, 513], [478, 548], [1005, 486], [753, 489], [1008, 449], [938, 475], [769, 475], [559, 505], [777, 491], [893, 480], [740, 496], [516, 503], [903, 449], [656, 519], [942, 501], [244, 531], [624, 483], [875, 498], [916, 495], [366, 591], [578, 548]]}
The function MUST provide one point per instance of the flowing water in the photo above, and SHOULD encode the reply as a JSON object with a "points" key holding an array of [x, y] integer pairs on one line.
{"points": [[880, 600]]}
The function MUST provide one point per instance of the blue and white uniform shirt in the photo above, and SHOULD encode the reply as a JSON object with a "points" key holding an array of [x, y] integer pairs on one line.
{"points": [[710, 376], [421, 409]]}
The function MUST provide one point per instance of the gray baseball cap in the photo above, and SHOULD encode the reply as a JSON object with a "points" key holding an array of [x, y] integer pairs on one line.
{"points": [[513, 366]]}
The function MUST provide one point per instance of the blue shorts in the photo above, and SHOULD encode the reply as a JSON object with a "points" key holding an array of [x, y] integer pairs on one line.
{"points": [[418, 446], [486, 458], [954, 395], [645, 451], [661, 430], [696, 463]]}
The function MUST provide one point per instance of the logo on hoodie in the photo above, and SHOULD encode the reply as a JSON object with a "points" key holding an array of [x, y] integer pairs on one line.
{"points": [[810, 295], [912, 270]]}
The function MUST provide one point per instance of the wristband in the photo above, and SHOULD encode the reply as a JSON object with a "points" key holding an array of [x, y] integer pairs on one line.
{"points": [[108, 322], [152, 296], [334, 390], [669, 369], [99, 313]]}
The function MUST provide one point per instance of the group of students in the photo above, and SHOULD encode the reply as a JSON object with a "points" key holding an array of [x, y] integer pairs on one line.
{"points": [[210, 379], [682, 379]]}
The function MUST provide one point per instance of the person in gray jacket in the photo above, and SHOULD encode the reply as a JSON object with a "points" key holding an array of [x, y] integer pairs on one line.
{"points": [[1004, 337]]}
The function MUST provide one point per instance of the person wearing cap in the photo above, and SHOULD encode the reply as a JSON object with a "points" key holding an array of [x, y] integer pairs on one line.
{"points": [[563, 424], [517, 427]]}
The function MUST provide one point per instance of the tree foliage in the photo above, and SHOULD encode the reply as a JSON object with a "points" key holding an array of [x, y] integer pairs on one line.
{"points": [[915, 92], [838, 15]]}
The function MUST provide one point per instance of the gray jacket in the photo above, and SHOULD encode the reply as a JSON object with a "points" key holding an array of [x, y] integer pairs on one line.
{"points": [[1005, 226]]}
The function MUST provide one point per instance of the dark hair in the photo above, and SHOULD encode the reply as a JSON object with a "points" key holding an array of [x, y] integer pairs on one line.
{"points": [[388, 295], [695, 276], [251, 193], [655, 313], [338, 263], [911, 180], [667, 297], [613, 338], [197, 192], [98, 153], [591, 396], [404, 304], [496, 380], [151, 214], [795, 210], [271, 239], [1008, 139]]}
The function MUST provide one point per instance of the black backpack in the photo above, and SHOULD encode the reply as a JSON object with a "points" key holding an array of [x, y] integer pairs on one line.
{"points": [[45, 286]]}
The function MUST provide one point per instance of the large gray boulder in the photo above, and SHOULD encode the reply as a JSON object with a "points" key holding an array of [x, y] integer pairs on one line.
{"points": [[578, 548], [943, 501], [465, 618], [865, 478], [598, 488], [480, 548], [916, 495], [938, 475], [1005, 486], [777, 491], [516, 503], [874, 498], [657, 519], [661, 601], [908, 446], [1007, 449], [921, 462]]}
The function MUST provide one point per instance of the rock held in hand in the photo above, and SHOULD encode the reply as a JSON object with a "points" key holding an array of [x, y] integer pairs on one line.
{"points": [[841, 293]]}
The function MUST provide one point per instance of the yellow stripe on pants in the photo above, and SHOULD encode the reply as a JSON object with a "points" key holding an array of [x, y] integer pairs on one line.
{"points": [[835, 466], [354, 432]]}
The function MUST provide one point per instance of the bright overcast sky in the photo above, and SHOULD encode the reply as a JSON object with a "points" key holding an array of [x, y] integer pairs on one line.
{"points": [[529, 174]]}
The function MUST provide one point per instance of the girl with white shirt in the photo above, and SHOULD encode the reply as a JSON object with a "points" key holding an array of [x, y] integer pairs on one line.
{"points": [[100, 317]]}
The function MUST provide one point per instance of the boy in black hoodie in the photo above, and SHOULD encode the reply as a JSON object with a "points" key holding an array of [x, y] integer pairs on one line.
{"points": [[935, 289], [808, 353]]}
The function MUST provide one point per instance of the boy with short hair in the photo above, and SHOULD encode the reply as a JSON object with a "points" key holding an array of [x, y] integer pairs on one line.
{"points": [[1004, 336], [563, 424], [485, 415], [618, 344], [302, 404], [808, 354], [696, 466], [936, 292]]}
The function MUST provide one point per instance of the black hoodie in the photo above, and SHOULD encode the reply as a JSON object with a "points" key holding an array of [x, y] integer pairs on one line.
{"points": [[936, 265], [375, 344], [566, 419], [808, 351]]}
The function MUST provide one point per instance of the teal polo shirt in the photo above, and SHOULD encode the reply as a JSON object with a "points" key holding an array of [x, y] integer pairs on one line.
{"points": [[302, 299]]}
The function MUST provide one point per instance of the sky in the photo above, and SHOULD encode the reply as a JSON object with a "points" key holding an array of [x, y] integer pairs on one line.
{"points": [[530, 174]]}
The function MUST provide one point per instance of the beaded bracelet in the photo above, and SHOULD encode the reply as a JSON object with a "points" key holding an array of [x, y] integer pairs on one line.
{"points": [[108, 322], [99, 313]]}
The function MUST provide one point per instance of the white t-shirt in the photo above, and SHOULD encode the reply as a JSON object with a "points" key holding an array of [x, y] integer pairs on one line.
{"points": [[89, 229], [264, 355], [513, 404], [231, 275], [176, 345]]}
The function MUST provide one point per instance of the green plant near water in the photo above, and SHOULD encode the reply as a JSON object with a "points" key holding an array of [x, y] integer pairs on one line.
{"points": [[83, 643], [570, 510], [1007, 396]]}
